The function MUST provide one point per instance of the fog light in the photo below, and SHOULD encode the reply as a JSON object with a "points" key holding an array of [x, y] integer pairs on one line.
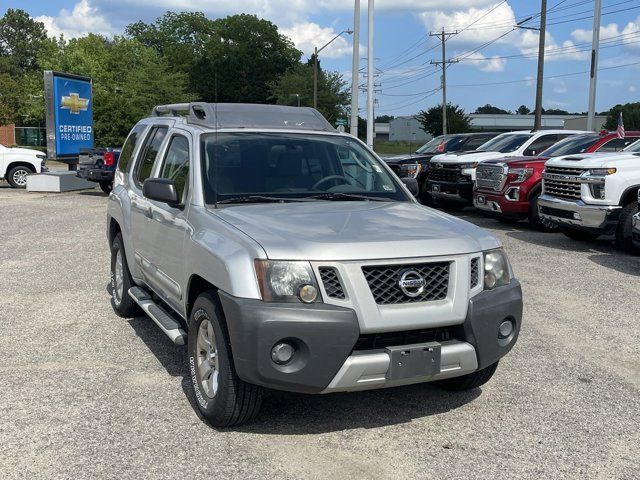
{"points": [[576, 216], [505, 329], [308, 293], [282, 353]]}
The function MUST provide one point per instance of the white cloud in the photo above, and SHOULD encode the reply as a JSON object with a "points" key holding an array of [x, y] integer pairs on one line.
{"points": [[632, 89], [528, 45], [629, 35], [83, 19], [559, 86], [486, 64], [306, 36]]}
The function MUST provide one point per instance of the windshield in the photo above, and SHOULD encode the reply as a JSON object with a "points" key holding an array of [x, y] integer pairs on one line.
{"points": [[634, 147], [571, 145], [432, 145], [505, 143], [243, 167]]}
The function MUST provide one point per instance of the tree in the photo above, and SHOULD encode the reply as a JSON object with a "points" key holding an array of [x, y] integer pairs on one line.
{"points": [[555, 111], [333, 94], [457, 120], [488, 108], [384, 118], [523, 110], [630, 116], [21, 39]]}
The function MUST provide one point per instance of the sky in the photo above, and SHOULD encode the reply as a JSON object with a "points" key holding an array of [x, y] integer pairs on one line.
{"points": [[496, 61]]}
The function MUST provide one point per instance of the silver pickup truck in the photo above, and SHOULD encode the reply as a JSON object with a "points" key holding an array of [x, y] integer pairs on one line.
{"points": [[287, 256]]}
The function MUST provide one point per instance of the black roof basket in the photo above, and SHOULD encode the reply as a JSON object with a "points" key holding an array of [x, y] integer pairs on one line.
{"points": [[245, 115]]}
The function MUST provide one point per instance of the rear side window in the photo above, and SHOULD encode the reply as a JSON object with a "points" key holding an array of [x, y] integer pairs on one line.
{"points": [[129, 147], [176, 165], [617, 144], [149, 154], [541, 144]]}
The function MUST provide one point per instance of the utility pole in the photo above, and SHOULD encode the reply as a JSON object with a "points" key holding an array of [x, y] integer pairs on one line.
{"points": [[315, 78], [443, 39], [370, 71], [537, 123], [355, 67], [594, 64]]}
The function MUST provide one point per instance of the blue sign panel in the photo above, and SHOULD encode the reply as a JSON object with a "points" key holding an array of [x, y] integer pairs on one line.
{"points": [[73, 115]]}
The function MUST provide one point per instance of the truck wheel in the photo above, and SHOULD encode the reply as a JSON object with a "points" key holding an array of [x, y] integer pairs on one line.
{"points": [[623, 232], [541, 224], [121, 281], [222, 398], [578, 235], [106, 187], [17, 176], [469, 381]]}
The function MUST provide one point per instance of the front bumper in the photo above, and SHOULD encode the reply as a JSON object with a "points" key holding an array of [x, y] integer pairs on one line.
{"points": [[498, 203], [459, 192], [635, 231], [577, 214], [327, 335]]}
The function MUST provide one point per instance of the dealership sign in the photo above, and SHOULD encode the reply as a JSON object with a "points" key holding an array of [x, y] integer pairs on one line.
{"points": [[69, 109]]}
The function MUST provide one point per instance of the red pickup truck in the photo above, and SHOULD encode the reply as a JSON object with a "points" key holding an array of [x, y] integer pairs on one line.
{"points": [[508, 189]]}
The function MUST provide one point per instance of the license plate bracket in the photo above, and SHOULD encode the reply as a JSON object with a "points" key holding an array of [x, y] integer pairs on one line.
{"points": [[435, 188], [410, 361], [481, 199]]}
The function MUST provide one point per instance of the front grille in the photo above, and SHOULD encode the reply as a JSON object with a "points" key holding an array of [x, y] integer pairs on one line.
{"points": [[384, 281], [566, 187], [490, 176], [475, 272], [374, 341], [441, 172], [331, 282]]}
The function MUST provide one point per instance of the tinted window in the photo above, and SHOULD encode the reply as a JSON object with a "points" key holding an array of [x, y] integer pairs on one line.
{"points": [[432, 145], [541, 144], [634, 147], [571, 145], [476, 141], [129, 146], [506, 143], [149, 154], [176, 165], [617, 144]]}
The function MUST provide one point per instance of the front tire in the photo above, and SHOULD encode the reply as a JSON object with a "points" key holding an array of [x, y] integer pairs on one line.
{"points": [[541, 224], [624, 237], [469, 381], [223, 399], [579, 235], [121, 281], [17, 176]]}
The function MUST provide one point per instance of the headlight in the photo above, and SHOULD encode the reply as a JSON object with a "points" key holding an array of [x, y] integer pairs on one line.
{"points": [[41, 157], [469, 168], [282, 281], [411, 170], [468, 165], [497, 271], [597, 172], [519, 175]]}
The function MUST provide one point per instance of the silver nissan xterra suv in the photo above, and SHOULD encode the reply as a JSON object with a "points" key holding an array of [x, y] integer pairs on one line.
{"points": [[287, 256]]}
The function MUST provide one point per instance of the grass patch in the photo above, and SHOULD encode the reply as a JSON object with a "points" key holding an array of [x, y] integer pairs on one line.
{"points": [[395, 148]]}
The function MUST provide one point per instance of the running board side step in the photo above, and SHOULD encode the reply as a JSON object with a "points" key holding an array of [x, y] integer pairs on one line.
{"points": [[169, 325]]}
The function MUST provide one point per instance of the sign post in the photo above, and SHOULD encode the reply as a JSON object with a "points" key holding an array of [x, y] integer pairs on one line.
{"points": [[69, 116]]}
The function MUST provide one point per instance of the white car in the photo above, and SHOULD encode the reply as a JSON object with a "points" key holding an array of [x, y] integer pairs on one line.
{"points": [[17, 163], [450, 176], [593, 194]]}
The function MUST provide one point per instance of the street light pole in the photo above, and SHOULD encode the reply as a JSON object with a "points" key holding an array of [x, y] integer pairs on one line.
{"points": [[594, 65], [537, 123], [370, 72], [355, 67], [316, 51]]}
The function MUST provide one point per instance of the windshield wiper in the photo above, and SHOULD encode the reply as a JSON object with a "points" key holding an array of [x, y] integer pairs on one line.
{"points": [[260, 199], [348, 196]]}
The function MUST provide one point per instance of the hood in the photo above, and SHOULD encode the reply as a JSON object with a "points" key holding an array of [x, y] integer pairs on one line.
{"points": [[594, 160], [414, 157], [342, 231], [466, 157], [517, 161], [23, 151]]}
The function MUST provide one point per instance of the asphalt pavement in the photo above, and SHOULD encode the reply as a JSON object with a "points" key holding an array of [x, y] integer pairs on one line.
{"points": [[86, 394]]}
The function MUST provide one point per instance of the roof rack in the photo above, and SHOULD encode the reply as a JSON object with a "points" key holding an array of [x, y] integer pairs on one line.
{"points": [[246, 115]]}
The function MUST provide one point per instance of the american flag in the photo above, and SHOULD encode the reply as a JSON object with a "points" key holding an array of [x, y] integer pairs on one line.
{"points": [[620, 129]]}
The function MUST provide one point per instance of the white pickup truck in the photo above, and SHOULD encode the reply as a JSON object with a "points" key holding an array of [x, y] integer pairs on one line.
{"points": [[17, 163], [593, 194]]}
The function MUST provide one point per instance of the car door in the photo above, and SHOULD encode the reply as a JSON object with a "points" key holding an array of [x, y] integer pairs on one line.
{"points": [[169, 228], [141, 211]]}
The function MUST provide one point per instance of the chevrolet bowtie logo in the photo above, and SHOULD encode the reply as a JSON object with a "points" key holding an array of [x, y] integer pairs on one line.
{"points": [[74, 103]]}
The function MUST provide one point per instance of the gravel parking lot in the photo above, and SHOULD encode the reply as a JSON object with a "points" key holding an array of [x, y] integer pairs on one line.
{"points": [[86, 394]]}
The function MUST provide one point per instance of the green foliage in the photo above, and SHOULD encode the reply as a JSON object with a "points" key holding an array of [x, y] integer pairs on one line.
{"points": [[630, 116], [555, 111], [488, 108], [333, 94], [523, 110], [384, 118], [21, 39], [457, 120]]}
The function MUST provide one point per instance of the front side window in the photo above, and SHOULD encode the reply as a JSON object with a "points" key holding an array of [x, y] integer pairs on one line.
{"points": [[541, 144], [617, 144], [149, 154], [279, 166], [505, 143], [432, 145], [572, 145], [176, 165]]}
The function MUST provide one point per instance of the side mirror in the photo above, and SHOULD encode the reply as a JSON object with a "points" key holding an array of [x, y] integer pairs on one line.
{"points": [[412, 185], [161, 190]]}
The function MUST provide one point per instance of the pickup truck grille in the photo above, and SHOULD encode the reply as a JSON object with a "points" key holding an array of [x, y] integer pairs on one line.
{"points": [[563, 182], [491, 177], [384, 281], [441, 172]]}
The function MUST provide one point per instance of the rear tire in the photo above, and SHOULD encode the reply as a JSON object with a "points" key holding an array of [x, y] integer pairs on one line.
{"points": [[121, 281], [578, 235], [624, 238], [106, 187], [538, 223], [17, 176], [469, 381], [223, 399]]}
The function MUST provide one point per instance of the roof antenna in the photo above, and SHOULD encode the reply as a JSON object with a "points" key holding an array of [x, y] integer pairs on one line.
{"points": [[215, 151]]}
